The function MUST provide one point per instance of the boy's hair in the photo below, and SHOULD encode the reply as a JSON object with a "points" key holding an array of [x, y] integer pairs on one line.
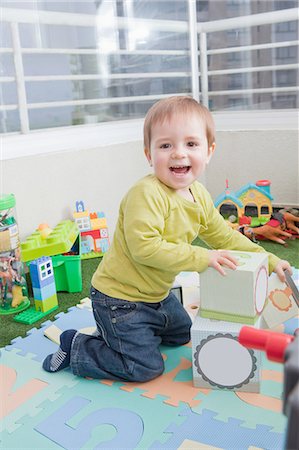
{"points": [[168, 107]]}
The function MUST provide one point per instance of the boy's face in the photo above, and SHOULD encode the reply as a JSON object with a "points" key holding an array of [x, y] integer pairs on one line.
{"points": [[179, 150]]}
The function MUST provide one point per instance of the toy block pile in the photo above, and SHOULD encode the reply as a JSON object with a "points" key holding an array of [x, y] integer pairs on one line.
{"points": [[93, 230], [226, 304]]}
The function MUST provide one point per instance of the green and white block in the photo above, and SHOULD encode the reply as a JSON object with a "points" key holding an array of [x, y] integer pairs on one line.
{"points": [[239, 296], [219, 361]]}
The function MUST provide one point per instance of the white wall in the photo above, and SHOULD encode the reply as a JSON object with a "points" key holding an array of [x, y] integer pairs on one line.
{"points": [[247, 156], [47, 186]]}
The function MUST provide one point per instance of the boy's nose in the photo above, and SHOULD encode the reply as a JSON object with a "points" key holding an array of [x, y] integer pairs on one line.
{"points": [[179, 151]]}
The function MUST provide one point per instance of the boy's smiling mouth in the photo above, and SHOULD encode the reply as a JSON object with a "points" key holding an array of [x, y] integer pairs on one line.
{"points": [[180, 169]]}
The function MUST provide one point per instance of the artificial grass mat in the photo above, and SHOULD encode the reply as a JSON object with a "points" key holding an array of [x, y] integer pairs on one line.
{"points": [[10, 329]]}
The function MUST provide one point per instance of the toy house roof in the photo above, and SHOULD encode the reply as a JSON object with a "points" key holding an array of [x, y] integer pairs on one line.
{"points": [[228, 196], [249, 186]]}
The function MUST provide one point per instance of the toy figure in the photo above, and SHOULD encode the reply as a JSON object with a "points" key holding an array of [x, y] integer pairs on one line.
{"points": [[281, 226]]}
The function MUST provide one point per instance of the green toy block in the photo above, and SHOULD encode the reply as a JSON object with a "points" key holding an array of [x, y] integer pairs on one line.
{"points": [[91, 255], [67, 269], [59, 241], [31, 315], [47, 304]]}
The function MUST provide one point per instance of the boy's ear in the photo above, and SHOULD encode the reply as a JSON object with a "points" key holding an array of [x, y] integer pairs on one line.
{"points": [[211, 151], [148, 155]]}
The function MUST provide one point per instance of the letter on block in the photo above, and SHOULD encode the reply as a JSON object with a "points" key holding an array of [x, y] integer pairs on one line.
{"points": [[240, 295], [219, 361]]}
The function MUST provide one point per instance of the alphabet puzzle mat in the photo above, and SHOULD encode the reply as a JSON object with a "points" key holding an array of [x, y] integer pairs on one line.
{"points": [[43, 411]]}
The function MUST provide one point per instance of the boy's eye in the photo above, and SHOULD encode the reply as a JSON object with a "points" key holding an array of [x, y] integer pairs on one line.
{"points": [[165, 146], [191, 144]]}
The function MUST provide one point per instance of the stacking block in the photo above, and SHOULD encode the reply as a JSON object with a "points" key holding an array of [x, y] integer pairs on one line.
{"points": [[239, 296], [103, 232], [47, 304], [103, 244], [219, 361], [41, 272], [281, 305], [59, 241], [44, 292]]}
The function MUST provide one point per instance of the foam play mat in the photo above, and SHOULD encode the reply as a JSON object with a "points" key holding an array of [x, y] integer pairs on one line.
{"points": [[46, 411]]}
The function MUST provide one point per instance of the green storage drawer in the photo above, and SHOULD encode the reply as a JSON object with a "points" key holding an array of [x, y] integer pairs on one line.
{"points": [[67, 269]]}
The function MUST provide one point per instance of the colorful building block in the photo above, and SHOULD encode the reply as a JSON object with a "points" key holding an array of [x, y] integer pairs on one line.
{"points": [[44, 292], [93, 230], [239, 296], [45, 297], [41, 272], [58, 242], [219, 361], [47, 304]]}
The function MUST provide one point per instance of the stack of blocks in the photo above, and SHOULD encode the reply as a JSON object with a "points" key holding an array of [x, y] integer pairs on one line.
{"points": [[226, 304], [43, 284], [93, 230]]}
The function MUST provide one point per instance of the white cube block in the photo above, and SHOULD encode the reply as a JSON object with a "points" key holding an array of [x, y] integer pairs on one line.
{"points": [[219, 361], [188, 283], [239, 296], [281, 305]]}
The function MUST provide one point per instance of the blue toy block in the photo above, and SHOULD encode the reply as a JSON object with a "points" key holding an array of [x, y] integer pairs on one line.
{"points": [[41, 272], [104, 244], [36, 283], [45, 292]]}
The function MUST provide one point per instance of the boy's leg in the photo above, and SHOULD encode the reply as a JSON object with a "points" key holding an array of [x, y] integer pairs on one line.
{"points": [[127, 345], [178, 324]]}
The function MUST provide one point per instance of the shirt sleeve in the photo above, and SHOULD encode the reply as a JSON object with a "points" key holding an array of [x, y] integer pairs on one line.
{"points": [[219, 235], [144, 216]]}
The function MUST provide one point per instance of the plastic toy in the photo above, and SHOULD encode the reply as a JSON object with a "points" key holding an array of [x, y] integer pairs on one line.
{"points": [[63, 245], [93, 231], [252, 200], [44, 291], [240, 296], [13, 286], [281, 348]]}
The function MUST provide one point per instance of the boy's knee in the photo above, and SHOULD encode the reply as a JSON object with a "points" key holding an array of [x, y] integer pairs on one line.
{"points": [[143, 374]]}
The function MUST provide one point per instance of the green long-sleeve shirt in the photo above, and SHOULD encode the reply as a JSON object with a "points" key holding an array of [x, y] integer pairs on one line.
{"points": [[152, 241]]}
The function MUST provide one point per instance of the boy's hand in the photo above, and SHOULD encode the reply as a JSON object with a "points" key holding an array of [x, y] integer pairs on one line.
{"points": [[219, 258], [281, 266]]}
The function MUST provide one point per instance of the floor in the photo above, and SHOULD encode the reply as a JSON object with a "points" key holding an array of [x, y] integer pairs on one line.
{"points": [[54, 411]]}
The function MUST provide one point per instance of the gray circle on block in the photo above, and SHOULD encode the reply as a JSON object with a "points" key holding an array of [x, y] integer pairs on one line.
{"points": [[224, 362]]}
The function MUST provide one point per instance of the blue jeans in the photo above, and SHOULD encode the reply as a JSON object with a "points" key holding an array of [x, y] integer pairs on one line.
{"points": [[126, 346]]}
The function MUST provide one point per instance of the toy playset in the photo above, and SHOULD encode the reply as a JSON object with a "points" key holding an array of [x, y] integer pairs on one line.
{"points": [[53, 257], [93, 230], [14, 296], [62, 244], [251, 204]]}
